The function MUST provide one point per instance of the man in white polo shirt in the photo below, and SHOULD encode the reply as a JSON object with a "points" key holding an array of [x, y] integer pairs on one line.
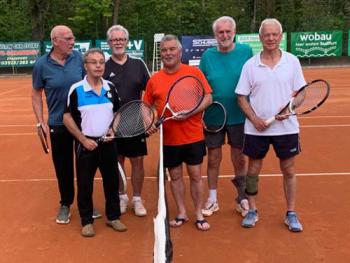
{"points": [[267, 82]]}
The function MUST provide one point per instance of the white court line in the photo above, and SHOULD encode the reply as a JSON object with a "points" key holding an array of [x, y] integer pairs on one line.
{"points": [[302, 126], [325, 126], [17, 125], [155, 178], [324, 117]]}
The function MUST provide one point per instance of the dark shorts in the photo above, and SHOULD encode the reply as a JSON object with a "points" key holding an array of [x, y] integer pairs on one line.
{"points": [[285, 146], [235, 136], [132, 147], [191, 154]]}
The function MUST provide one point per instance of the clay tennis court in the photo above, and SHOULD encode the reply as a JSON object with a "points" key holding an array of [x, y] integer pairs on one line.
{"points": [[29, 197]]}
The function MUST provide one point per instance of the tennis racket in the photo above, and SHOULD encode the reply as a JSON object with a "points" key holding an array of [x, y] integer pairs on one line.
{"points": [[43, 138], [307, 99], [123, 177], [132, 119], [214, 117], [184, 97]]}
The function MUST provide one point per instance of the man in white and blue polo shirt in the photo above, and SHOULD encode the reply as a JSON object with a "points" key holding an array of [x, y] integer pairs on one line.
{"points": [[90, 110]]}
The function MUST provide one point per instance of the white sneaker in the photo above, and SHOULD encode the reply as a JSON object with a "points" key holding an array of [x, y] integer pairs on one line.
{"points": [[139, 208], [123, 205], [243, 207], [210, 208]]}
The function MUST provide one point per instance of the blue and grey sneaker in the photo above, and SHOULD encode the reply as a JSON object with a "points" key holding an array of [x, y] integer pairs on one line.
{"points": [[250, 219], [292, 222], [63, 216]]}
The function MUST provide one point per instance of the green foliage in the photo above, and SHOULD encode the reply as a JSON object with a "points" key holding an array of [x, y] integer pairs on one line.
{"points": [[90, 19]]}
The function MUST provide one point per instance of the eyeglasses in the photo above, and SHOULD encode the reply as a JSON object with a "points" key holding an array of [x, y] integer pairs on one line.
{"points": [[114, 40], [95, 62], [67, 39]]}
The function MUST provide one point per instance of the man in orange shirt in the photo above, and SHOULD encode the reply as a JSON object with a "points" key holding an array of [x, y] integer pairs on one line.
{"points": [[183, 137]]}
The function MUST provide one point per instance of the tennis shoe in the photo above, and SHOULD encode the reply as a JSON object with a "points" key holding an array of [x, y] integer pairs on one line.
{"points": [[88, 231], [117, 225], [139, 208], [292, 222], [63, 216], [243, 207], [250, 219], [123, 205], [210, 208], [96, 214]]}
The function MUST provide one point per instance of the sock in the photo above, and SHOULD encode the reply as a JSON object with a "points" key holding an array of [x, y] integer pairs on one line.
{"points": [[212, 196], [136, 198], [124, 197]]}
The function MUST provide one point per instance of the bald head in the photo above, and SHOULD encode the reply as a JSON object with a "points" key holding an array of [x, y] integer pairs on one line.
{"points": [[62, 40], [59, 31]]}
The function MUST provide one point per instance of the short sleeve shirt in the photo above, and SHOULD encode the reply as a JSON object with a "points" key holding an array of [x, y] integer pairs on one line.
{"points": [[222, 71], [130, 78], [175, 132], [269, 90], [92, 112], [56, 81]]}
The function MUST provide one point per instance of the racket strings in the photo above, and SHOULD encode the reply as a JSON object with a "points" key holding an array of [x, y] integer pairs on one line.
{"points": [[214, 117], [133, 120], [186, 95], [310, 97]]}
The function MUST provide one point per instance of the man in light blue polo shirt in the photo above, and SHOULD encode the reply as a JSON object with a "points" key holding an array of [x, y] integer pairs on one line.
{"points": [[54, 73]]}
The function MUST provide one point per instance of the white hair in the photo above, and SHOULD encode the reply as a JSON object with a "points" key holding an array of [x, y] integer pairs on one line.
{"points": [[224, 19], [270, 21], [117, 28]]}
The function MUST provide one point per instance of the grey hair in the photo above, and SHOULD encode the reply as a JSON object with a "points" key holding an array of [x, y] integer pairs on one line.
{"points": [[92, 51], [117, 28], [270, 21], [170, 37], [224, 19]]}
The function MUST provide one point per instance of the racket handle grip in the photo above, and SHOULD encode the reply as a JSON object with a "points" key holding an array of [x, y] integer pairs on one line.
{"points": [[271, 120], [159, 122]]}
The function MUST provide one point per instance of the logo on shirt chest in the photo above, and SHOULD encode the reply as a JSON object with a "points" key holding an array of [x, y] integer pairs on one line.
{"points": [[109, 95]]}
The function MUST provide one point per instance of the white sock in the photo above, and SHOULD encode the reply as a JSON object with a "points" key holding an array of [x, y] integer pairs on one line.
{"points": [[124, 197], [212, 196], [136, 198]]}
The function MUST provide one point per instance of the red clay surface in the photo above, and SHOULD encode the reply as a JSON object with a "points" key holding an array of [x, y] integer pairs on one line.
{"points": [[29, 197]]}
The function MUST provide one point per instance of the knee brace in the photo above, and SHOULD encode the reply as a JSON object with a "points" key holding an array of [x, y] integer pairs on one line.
{"points": [[252, 185]]}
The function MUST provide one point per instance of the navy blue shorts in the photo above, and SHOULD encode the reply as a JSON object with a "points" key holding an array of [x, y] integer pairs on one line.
{"points": [[285, 146], [191, 154]]}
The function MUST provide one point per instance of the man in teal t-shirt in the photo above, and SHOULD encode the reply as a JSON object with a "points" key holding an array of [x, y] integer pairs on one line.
{"points": [[222, 66]]}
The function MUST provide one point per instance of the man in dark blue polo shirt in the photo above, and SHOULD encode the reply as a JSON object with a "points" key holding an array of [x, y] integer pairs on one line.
{"points": [[130, 76], [54, 73]]}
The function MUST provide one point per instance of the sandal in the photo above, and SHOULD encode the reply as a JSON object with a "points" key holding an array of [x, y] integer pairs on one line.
{"points": [[178, 221], [201, 225]]}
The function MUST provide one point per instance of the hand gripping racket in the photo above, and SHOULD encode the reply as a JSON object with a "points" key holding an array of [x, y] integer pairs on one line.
{"points": [[43, 138], [132, 119], [214, 117], [183, 98], [307, 99]]}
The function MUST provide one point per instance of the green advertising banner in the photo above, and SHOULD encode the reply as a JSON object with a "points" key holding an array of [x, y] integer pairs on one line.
{"points": [[254, 42], [19, 54], [81, 46], [317, 44], [135, 48]]}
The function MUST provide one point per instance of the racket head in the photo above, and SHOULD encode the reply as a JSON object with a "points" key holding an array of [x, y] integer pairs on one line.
{"points": [[132, 119], [43, 138], [309, 97], [185, 95], [214, 117]]}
